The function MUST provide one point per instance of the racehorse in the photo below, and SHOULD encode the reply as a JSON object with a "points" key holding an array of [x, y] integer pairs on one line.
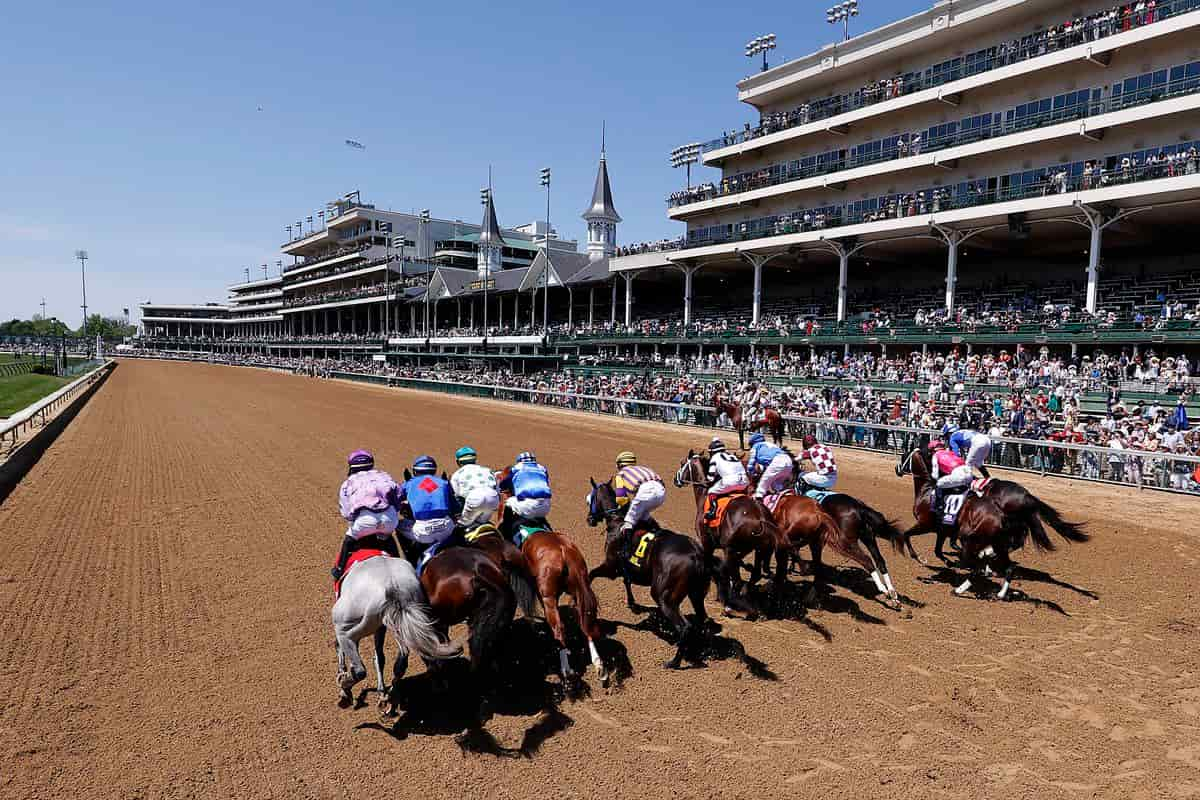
{"points": [[843, 524], [558, 568], [746, 527], [377, 595], [771, 420], [674, 568], [464, 584], [986, 529]]}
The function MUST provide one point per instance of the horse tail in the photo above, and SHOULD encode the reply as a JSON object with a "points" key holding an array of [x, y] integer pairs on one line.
{"points": [[881, 527], [1071, 531], [586, 604], [410, 621], [493, 613], [527, 599]]}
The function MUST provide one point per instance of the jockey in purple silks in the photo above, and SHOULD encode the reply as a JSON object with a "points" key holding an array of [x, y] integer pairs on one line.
{"points": [[369, 501]]}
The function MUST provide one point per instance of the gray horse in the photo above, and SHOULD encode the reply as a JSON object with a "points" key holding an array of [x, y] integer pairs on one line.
{"points": [[378, 595]]}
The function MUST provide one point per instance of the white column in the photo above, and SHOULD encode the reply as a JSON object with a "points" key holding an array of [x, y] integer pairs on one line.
{"points": [[1093, 268], [591, 305], [843, 279], [613, 309], [628, 298], [757, 310], [951, 271], [688, 272], [570, 308]]}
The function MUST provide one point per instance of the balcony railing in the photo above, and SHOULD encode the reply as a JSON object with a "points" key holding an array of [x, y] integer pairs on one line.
{"points": [[1055, 179], [1093, 28], [915, 142]]}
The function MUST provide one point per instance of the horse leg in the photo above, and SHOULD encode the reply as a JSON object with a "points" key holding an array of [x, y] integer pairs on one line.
{"points": [[554, 620], [347, 639], [629, 600], [941, 540], [1009, 569], [813, 598], [734, 601], [668, 605], [881, 569], [380, 660]]}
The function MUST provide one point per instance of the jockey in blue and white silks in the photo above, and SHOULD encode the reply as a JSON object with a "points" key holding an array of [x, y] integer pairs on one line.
{"points": [[475, 488], [971, 446], [772, 463], [528, 483], [432, 505]]}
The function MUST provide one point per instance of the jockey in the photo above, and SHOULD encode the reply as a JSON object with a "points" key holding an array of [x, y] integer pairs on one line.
{"points": [[972, 446], [950, 471], [474, 488], [771, 463], [431, 503], [638, 487], [368, 500], [726, 475], [825, 472], [529, 484]]}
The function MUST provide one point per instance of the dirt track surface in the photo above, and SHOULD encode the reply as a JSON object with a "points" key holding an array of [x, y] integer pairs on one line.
{"points": [[166, 629]]}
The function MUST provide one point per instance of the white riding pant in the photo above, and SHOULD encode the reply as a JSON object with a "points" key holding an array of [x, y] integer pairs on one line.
{"points": [[819, 481], [776, 476], [727, 486], [981, 448], [479, 506], [650, 495], [427, 531], [367, 523], [530, 507], [961, 476]]}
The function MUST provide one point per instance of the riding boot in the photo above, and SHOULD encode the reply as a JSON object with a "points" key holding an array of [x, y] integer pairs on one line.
{"points": [[349, 545], [711, 513], [938, 496], [388, 545]]}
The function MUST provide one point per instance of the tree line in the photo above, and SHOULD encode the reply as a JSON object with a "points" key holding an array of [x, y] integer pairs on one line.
{"points": [[106, 327]]}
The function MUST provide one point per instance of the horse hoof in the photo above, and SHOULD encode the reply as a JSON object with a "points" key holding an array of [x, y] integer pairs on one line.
{"points": [[344, 700], [727, 611], [672, 664]]}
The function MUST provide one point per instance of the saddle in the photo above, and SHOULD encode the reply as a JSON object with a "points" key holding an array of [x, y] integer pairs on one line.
{"points": [[354, 558], [979, 485], [479, 531], [820, 495], [723, 502], [522, 529]]}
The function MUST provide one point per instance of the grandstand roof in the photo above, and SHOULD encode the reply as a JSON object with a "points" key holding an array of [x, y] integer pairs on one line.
{"points": [[566, 269]]}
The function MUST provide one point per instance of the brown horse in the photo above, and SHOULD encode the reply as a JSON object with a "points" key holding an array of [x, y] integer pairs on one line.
{"points": [[772, 421], [747, 527], [804, 521], [557, 568], [986, 530], [465, 585], [674, 568]]}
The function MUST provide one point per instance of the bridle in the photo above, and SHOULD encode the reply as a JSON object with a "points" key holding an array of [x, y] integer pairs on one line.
{"points": [[691, 465]]}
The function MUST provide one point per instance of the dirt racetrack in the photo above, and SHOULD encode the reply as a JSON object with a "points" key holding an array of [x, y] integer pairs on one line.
{"points": [[166, 629]]}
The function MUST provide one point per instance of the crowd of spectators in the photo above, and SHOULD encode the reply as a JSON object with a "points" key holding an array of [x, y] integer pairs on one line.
{"points": [[662, 245], [1068, 33]]}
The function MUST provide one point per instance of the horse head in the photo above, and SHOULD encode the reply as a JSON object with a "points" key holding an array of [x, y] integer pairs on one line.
{"points": [[602, 502], [692, 470]]}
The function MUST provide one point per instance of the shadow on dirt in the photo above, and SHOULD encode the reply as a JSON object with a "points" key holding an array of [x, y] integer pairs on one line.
{"points": [[985, 588], [715, 647]]}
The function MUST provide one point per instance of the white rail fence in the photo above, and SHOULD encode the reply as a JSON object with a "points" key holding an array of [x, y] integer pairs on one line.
{"points": [[43, 411]]}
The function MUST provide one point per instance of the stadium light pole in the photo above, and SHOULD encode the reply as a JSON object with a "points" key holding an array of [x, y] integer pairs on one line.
{"points": [[485, 196], [761, 44], [545, 178], [684, 156], [264, 269], [82, 255], [247, 271], [842, 12]]}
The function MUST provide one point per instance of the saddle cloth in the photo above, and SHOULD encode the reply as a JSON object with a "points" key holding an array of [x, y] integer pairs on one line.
{"points": [[723, 502], [486, 529], [642, 549], [951, 506], [979, 485], [772, 500], [356, 557], [524, 529]]}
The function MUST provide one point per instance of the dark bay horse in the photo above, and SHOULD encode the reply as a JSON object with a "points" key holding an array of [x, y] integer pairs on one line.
{"points": [[772, 421], [466, 585], [987, 530], [675, 568], [747, 527]]}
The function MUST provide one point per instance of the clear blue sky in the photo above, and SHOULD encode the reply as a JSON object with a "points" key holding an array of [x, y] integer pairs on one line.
{"points": [[134, 131]]}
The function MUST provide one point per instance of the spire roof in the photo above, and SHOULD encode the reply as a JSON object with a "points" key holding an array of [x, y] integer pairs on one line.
{"points": [[602, 200], [489, 233]]}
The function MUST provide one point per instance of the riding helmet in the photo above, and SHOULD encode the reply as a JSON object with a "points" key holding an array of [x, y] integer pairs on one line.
{"points": [[936, 444], [360, 459], [755, 438], [465, 455], [526, 458], [809, 440], [716, 446], [626, 458], [424, 465]]}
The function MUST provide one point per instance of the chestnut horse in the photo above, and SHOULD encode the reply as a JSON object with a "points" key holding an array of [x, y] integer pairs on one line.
{"points": [[804, 521], [675, 568], [557, 568], [747, 527], [986, 530], [772, 421]]}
